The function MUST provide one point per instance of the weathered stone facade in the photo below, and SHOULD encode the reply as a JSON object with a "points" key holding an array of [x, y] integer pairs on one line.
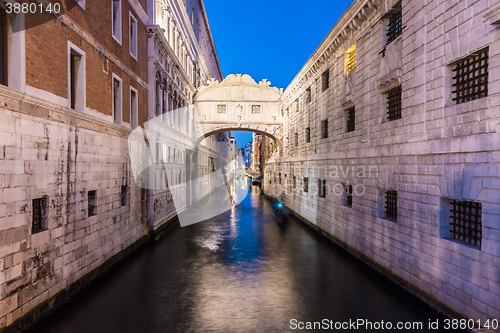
{"points": [[338, 133], [78, 85]]}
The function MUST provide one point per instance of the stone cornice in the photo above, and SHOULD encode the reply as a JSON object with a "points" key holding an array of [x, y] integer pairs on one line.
{"points": [[59, 113], [352, 20]]}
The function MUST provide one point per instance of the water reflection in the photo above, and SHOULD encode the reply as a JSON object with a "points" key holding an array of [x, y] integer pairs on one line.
{"points": [[238, 272]]}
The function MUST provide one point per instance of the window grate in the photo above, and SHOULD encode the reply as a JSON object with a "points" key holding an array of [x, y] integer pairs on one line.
{"points": [[92, 203], [351, 119], [308, 134], [471, 78], [321, 188], [465, 222], [221, 108], [324, 129], [348, 192], [255, 109], [124, 195], [391, 205], [39, 215], [325, 80], [306, 184], [394, 104], [395, 27]]}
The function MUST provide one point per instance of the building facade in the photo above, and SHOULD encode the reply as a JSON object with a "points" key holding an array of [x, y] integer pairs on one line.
{"points": [[74, 88], [392, 146]]}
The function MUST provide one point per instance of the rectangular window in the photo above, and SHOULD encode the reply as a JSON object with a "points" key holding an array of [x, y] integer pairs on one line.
{"points": [[348, 195], [308, 134], [116, 20], [351, 120], [470, 78], [40, 214], [92, 203], [306, 184], [3, 47], [134, 114], [350, 59], [394, 26], [74, 62], [308, 95], [123, 195], [279, 177], [325, 80], [296, 139], [133, 36], [394, 104], [221, 108], [294, 182], [296, 105], [255, 109], [321, 188], [466, 222], [117, 100], [76, 78], [391, 205], [324, 129]]}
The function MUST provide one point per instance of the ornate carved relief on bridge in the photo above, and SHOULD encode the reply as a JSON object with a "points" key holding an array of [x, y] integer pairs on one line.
{"points": [[239, 103]]}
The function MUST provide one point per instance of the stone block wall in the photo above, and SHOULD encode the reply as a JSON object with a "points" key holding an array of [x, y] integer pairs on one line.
{"points": [[61, 161], [438, 151]]}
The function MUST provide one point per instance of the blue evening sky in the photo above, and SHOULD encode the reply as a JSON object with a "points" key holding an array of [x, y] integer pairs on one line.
{"points": [[269, 39]]}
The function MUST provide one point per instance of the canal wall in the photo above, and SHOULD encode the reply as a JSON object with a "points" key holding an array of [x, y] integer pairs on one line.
{"points": [[406, 171]]}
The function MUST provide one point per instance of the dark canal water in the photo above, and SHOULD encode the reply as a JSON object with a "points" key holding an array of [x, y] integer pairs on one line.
{"points": [[238, 272]]}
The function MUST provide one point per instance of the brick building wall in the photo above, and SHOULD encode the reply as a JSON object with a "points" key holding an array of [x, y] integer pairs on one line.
{"points": [[436, 152]]}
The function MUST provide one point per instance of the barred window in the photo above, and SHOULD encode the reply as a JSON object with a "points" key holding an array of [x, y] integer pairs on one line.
{"points": [[350, 59], [470, 78], [391, 205], [325, 80], [221, 108], [348, 195], [324, 129], [255, 109], [40, 212], [321, 188], [308, 134], [92, 203], [394, 26], [123, 193], [351, 119], [466, 222], [394, 104], [308, 95], [306, 184]]}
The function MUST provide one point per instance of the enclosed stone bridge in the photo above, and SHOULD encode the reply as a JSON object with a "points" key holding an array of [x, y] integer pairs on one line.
{"points": [[238, 103]]}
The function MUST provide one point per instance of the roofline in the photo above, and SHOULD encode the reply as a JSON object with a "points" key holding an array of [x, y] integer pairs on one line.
{"points": [[212, 43]]}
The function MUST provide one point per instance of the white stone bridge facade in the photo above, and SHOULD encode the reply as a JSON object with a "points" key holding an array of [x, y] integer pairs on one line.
{"points": [[238, 103]]}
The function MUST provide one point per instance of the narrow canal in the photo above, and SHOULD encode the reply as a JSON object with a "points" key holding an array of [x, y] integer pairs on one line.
{"points": [[238, 272]]}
